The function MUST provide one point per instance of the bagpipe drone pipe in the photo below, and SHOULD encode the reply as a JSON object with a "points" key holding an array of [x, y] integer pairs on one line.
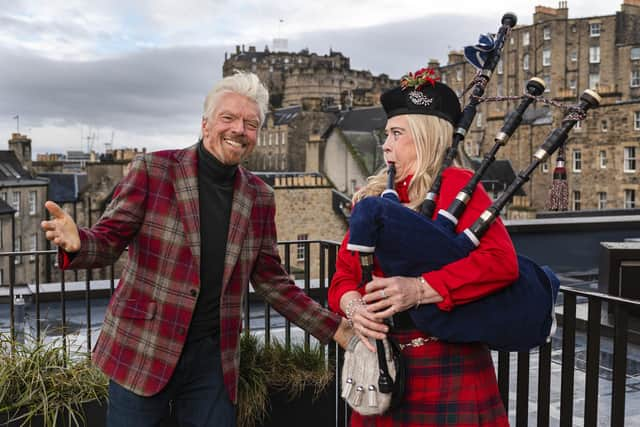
{"points": [[485, 57], [407, 243]]}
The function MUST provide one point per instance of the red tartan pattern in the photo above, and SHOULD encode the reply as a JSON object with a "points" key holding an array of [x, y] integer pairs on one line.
{"points": [[155, 211], [447, 385]]}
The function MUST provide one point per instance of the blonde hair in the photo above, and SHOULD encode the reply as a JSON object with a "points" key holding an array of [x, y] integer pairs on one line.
{"points": [[431, 135]]}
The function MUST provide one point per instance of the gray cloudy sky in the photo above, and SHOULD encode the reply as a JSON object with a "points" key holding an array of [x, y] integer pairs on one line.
{"points": [[137, 72]]}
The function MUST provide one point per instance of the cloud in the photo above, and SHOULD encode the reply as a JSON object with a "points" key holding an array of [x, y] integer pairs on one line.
{"points": [[132, 91], [143, 71]]}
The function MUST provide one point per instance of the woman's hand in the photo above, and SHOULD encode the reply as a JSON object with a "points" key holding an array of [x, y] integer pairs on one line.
{"points": [[365, 323], [389, 295]]}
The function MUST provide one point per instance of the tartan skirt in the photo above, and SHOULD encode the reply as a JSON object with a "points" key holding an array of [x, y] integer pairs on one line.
{"points": [[447, 385]]}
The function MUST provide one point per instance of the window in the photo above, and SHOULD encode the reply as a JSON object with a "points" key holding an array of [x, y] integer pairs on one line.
{"points": [[603, 159], [443, 78], [546, 33], [636, 120], [459, 74], [33, 202], [34, 246], [499, 92], [545, 166], [576, 200], [577, 161], [594, 29], [602, 200], [546, 57], [547, 83], [16, 202], [635, 53], [594, 55], [479, 120], [525, 38], [578, 125], [17, 242], [629, 199], [629, 159], [574, 55], [3, 196], [525, 62], [594, 80], [500, 67], [573, 83], [635, 78], [1, 235], [604, 125], [300, 250]]}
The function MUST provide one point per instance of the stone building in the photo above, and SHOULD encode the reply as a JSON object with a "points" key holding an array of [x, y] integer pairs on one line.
{"points": [[25, 193], [570, 55], [304, 212], [298, 78], [282, 143]]}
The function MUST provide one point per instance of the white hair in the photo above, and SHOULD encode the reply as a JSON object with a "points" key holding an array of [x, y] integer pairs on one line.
{"points": [[242, 83]]}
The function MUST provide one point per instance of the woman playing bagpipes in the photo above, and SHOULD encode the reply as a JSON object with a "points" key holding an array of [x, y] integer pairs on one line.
{"points": [[446, 383]]}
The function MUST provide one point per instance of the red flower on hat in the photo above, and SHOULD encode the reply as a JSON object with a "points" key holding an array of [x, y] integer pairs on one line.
{"points": [[418, 79]]}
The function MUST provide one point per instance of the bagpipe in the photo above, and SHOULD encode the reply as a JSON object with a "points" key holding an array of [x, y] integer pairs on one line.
{"points": [[409, 243], [516, 318], [485, 56]]}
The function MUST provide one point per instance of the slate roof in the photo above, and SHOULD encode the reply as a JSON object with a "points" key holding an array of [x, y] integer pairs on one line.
{"points": [[499, 176], [284, 116], [11, 168], [363, 119], [65, 187]]}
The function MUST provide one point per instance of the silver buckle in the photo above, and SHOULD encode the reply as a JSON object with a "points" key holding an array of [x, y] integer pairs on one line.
{"points": [[417, 342]]}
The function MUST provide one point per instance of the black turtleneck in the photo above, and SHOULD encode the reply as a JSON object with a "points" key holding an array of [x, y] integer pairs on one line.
{"points": [[215, 188]]}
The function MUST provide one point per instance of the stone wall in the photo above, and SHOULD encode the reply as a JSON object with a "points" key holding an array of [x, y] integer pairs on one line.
{"points": [[303, 207]]}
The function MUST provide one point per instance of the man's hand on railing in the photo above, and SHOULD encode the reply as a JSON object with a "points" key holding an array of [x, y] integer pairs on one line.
{"points": [[61, 229]]}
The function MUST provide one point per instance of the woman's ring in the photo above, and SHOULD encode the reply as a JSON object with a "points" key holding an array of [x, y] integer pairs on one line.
{"points": [[382, 293]]}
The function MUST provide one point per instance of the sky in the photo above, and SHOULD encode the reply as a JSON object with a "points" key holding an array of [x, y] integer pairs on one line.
{"points": [[134, 74]]}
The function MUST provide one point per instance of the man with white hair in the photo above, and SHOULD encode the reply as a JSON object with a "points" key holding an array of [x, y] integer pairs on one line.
{"points": [[198, 227]]}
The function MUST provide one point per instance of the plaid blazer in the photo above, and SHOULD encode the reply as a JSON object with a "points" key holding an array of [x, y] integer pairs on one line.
{"points": [[155, 212]]}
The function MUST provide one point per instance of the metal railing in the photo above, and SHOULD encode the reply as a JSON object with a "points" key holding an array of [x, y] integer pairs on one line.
{"points": [[527, 397]]}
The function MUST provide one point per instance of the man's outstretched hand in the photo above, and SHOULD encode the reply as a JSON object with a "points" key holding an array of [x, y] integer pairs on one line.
{"points": [[61, 229]]}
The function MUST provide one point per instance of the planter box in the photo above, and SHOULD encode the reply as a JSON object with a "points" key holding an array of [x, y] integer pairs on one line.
{"points": [[94, 413], [304, 410]]}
